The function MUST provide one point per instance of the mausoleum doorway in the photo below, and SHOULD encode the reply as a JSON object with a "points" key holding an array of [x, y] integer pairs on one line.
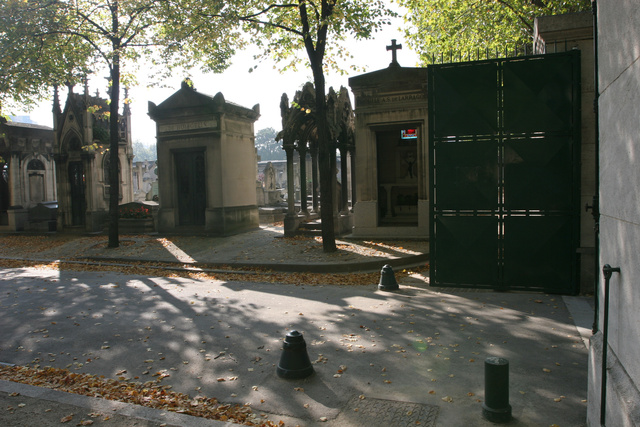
{"points": [[77, 182], [192, 194], [397, 164]]}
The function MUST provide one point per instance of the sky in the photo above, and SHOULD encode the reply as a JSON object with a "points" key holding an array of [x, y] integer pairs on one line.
{"points": [[263, 86]]}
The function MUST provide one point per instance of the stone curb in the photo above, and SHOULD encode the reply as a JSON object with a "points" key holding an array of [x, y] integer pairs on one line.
{"points": [[109, 406], [362, 267]]}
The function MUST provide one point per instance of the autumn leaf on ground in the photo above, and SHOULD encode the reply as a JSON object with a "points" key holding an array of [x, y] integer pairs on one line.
{"points": [[66, 419]]}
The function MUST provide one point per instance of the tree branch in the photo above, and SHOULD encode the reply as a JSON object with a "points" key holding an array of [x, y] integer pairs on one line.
{"points": [[522, 19]]}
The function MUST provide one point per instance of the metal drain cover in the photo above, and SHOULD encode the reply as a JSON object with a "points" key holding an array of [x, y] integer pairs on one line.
{"points": [[379, 412]]}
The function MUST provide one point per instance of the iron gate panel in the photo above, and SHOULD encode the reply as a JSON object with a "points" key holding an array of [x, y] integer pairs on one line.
{"points": [[504, 142], [468, 95], [536, 175], [536, 250], [468, 175], [538, 94], [468, 249]]}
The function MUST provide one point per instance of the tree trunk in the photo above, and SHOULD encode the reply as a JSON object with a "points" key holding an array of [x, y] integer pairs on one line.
{"points": [[114, 175], [326, 152]]}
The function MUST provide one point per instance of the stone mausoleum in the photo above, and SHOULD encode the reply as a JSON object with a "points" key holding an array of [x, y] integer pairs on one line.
{"points": [[392, 174], [27, 173], [206, 163], [81, 131]]}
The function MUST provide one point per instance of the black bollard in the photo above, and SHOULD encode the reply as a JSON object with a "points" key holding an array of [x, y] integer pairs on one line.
{"points": [[294, 361], [496, 406], [387, 279]]}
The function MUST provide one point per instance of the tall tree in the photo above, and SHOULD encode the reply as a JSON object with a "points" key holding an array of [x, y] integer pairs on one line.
{"points": [[32, 58], [282, 31], [111, 33], [436, 27]]}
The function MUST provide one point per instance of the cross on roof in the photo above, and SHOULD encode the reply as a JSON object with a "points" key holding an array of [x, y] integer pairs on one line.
{"points": [[393, 48]]}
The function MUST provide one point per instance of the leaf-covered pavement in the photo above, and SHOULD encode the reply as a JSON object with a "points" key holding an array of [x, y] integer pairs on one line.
{"points": [[266, 245], [223, 339]]}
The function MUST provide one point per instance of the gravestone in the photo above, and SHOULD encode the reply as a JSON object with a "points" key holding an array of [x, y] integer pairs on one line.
{"points": [[269, 177], [206, 163]]}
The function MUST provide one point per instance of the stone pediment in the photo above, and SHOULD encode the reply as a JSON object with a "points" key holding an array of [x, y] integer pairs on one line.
{"points": [[392, 86], [389, 79], [189, 101]]}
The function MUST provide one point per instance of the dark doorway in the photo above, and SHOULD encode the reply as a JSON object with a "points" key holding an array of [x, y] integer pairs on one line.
{"points": [[397, 153], [4, 193], [192, 195], [77, 187]]}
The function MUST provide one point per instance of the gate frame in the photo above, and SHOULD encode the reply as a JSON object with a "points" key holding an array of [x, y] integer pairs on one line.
{"points": [[500, 139]]}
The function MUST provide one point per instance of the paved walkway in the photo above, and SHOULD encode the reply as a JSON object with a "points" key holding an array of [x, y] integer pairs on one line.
{"points": [[380, 358]]}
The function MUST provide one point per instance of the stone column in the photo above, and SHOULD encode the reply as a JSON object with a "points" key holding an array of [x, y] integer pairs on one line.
{"points": [[344, 202], [15, 185], [352, 157], [291, 190], [302, 150], [314, 178]]}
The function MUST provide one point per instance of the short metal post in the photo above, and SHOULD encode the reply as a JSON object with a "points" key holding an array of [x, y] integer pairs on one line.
{"points": [[294, 361], [387, 279], [608, 271], [496, 406]]}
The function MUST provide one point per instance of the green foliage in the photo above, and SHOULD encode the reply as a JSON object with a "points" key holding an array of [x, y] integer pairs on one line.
{"points": [[34, 54], [282, 32], [143, 152], [436, 27], [267, 146]]}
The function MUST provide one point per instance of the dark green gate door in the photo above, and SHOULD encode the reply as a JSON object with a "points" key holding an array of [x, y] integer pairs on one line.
{"points": [[504, 141]]}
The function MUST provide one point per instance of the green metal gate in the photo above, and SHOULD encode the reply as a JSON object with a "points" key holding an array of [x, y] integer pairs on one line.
{"points": [[504, 144]]}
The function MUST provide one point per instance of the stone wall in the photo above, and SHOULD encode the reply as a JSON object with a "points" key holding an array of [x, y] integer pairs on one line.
{"points": [[619, 165]]}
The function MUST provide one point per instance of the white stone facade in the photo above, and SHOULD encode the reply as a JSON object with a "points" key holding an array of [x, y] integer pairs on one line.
{"points": [[619, 192]]}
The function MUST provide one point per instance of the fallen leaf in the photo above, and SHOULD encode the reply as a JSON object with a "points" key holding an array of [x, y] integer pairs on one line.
{"points": [[66, 419]]}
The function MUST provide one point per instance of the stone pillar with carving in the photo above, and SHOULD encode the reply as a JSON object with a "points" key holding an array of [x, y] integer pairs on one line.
{"points": [[344, 187], [291, 207], [314, 179], [352, 158], [302, 150], [15, 184]]}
